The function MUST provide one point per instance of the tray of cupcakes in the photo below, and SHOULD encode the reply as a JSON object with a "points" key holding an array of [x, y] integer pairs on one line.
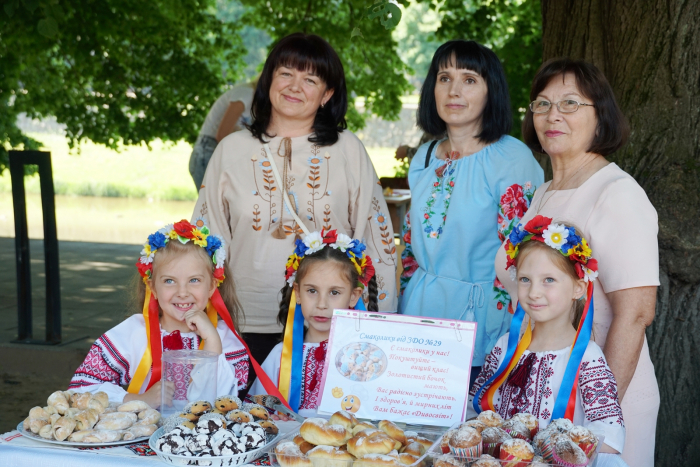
{"points": [[490, 441], [225, 432], [83, 419], [344, 441]]}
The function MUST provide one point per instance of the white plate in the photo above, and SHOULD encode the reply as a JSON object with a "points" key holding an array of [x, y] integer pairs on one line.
{"points": [[35, 437]]}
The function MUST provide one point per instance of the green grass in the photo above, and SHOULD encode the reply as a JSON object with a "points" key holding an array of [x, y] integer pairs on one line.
{"points": [[135, 172]]}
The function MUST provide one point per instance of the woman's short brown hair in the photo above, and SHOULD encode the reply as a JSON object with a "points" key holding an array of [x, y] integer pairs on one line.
{"points": [[612, 129]]}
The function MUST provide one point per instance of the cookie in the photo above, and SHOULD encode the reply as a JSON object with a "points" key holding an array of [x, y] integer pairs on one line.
{"points": [[199, 408], [239, 416], [227, 403]]}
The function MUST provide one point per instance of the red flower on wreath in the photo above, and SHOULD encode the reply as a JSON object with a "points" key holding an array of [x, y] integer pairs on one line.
{"points": [[219, 274], [513, 202], [367, 272], [329, 237], [184, 229], [143, 268], [537, 224]]}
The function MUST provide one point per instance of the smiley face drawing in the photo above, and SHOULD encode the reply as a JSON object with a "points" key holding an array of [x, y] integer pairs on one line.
{"points": [[350, 403]]}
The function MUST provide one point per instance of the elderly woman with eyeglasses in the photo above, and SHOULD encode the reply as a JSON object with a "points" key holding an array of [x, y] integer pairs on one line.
{"points": [[574, 119]]}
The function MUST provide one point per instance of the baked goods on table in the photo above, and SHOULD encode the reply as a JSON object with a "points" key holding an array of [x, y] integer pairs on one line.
{"points": [[226, 427], [90, 418], [344, 441]]}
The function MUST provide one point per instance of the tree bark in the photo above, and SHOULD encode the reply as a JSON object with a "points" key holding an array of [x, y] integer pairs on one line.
{"points": [[650, 52]]}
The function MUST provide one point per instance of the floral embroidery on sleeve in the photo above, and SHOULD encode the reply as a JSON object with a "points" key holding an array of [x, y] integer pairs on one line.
{"points": [[599, 392], [408, 260], [513, 205]]}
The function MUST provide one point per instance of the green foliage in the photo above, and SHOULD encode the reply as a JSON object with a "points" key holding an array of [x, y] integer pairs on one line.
{"points": [[113, 71], [368, 52], [415, 36], [511, 28]]}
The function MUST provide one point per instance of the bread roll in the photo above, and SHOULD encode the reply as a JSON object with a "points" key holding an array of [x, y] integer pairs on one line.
{"points": [[319, 432], [133, 406], [46, 431], [289, 455], [116, 415], [148, 417], [80, 400], [414, 448], [36, 424], [38, 412], [86, 419], [102, 398], [362, 426], [377, 460], [425, 442], [25, 424], [330, 456], [344, 418], [78, 436], [304, 446], [392, 430], [113, 424], [103, 436], [72, 412], [50, 409], [375, 443], [59, 401], [409, 459], [63, 428], [54, 418], [95, 405], [139, 431]]}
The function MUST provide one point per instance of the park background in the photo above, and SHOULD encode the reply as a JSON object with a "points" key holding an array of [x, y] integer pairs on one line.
{"points": [[116, 90]]}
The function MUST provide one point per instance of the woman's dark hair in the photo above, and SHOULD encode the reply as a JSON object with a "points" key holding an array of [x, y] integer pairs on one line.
{"points": [[496, 119], [612, 129], [327, 254], [303, 52]]}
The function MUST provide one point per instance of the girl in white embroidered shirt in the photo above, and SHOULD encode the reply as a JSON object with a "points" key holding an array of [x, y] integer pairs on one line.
{"points": [[327, 271], [540, 372], [182, 272]]}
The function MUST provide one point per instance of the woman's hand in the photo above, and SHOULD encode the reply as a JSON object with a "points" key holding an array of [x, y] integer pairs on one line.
{"points": [[198, 321], [281, 417], [152, 397]]}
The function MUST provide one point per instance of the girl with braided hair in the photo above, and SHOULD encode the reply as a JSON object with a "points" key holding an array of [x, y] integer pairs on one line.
{"points": [[327, 271]]}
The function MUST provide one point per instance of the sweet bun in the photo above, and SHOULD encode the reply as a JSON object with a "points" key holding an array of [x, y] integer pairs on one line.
{"points": [[409, 459], [133, 406], [476, 424], [102, 398], [518, 449], [344, 418], [375, 443], [490, 418], [425, 442], [139, 431], [566, 452], [80, 400], [447, 460], [289, 455], [529, 420], [563, 425], [414, 448], [516, 429], [59, 401], [377, 460], [362, 426], [63, 428], [392, 430], [330, 456], [465, 437], [319, 432], [304, 446], [149, 417], [445, 441]]}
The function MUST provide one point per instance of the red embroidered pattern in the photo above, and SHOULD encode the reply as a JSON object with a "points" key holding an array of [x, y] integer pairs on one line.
{"points": [[309, 396], [599, 392], [103, 364]]}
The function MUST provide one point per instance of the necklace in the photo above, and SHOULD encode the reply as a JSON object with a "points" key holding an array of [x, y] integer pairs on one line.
{"points": [[540, 205], [445, 183]]}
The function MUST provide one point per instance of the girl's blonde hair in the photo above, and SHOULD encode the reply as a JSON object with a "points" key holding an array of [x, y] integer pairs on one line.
{"points": [[227, 289], [563, 263]]}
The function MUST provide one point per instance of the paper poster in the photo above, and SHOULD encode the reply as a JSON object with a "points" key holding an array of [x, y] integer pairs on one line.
{"points": [[411, 369]]}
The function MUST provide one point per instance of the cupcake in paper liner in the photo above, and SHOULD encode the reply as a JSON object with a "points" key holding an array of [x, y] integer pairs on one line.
{"points": [[492, 438], [568, 454], [486, 461], [466, 442], [445, 441], [585, 439], [516, 453], [538, 461], [530, 421], [516, 429], [544, 442]]}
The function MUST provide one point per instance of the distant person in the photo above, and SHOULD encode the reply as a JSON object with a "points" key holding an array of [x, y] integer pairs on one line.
{"points": [[182, 267], [468, 190], [230, 113], [296, 169]]}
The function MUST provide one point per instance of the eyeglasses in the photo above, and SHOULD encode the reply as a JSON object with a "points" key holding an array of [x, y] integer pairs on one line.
{"points": [[566, 106]]}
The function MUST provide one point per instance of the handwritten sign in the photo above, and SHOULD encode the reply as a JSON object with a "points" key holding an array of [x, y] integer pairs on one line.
{"points": [[401, 368]]}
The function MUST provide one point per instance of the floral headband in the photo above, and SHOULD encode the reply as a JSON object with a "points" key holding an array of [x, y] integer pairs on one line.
{"points": [[558, 236], [316, 241], [184, 232]]}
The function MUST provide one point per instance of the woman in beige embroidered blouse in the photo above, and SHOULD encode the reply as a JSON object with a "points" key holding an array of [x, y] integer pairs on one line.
{"points": [[299, 109], [574, 119]]}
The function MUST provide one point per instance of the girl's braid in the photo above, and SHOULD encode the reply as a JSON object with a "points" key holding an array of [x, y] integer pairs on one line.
{"points": [[372, 293]]}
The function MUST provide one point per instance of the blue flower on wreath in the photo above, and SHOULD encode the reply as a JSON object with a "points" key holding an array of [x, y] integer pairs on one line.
{"points": [[517, 234], [357, 248], [157, 240], [300, 248], [213, 244]]}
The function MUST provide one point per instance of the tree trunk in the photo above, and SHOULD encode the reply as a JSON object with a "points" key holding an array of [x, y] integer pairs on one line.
{"points": [[650, 52]]}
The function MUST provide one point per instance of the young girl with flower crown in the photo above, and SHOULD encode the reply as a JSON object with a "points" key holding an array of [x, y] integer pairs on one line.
{"points": [[327, 271], [183, 290], [553, 370]]}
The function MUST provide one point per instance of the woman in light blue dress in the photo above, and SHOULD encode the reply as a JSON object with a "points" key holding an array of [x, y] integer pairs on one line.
{"points": [[468, 191]]}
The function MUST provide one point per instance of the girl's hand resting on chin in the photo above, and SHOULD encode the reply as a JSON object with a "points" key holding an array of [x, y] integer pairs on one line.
{"points": [[199, 323]]}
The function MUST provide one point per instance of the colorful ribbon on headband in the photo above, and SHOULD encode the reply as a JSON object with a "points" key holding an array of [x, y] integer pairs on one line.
{"points": [[565, 402], [292, 359], [152, 357]]}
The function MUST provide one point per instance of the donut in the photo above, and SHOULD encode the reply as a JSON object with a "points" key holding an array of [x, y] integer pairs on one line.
{"points": [[392, 430], [375, 443], [319, 432], [344, 418]]}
